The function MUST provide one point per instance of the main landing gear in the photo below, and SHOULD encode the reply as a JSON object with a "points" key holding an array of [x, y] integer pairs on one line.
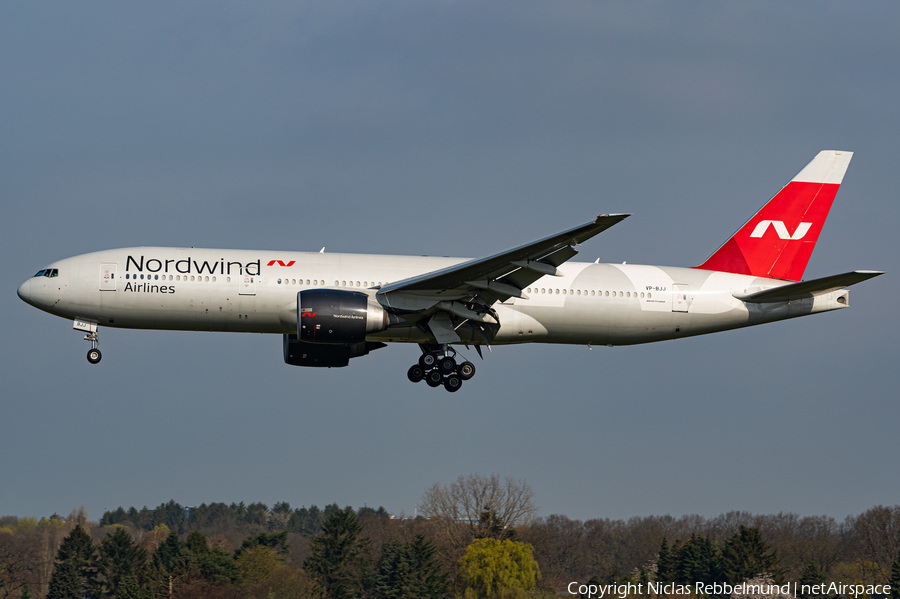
{"points": [[438, 368]]}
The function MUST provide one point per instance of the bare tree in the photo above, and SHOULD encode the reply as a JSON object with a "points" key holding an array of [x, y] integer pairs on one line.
{"points": [[879, 532], [20, 563], [557, 542], [477, 506]]}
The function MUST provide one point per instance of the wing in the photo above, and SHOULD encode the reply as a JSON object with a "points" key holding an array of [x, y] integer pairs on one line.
{"points": [[468, 290]]}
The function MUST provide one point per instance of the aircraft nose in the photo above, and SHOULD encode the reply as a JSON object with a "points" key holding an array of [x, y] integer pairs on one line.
{"points": [[25, 292]]}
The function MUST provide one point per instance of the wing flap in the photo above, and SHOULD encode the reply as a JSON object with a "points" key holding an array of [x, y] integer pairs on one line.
{"points": [[550, 252]]}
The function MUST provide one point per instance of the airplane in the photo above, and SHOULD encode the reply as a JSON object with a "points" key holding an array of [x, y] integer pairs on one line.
{"points": [[330, 308]]}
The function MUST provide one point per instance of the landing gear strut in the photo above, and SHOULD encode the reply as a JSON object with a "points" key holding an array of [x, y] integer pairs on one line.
{"points": [[90, 328], [437, 366]]}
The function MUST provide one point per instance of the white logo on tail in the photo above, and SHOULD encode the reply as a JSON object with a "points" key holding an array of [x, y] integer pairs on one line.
{"points": [[781, 229]]}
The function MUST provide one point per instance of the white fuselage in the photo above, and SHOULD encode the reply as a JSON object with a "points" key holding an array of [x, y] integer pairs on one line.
{"points": [[256, 291]]}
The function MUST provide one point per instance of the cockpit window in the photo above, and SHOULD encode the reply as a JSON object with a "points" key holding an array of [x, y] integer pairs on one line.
{"points": [[40, 273], [54, 272], [48, 272]]}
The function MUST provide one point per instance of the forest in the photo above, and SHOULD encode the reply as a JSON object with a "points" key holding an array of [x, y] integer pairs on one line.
{"points": [[478, 537]]}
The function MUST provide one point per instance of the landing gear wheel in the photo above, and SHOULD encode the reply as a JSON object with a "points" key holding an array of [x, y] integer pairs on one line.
{"points": [[452, 383], [434, 378], [466, 370], [415, 373], [94, 355], [446, 365], [427, 360]]}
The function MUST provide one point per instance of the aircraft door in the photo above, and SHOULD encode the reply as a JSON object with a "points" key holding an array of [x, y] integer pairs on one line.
{"points": [[680, 298], [247, 285], [107, 277]]}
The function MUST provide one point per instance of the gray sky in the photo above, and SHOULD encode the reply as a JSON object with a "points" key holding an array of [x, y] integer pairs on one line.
{"points": [[447, 128]]}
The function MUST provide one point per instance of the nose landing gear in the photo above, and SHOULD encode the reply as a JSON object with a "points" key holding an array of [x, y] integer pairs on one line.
{"points": [[438, 367], [93, 355]]}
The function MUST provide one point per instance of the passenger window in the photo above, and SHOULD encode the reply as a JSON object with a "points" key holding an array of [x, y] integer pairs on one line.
{"points": [[192, 277], [649, 296], [214, 279], [627, 294], [227, 279]]}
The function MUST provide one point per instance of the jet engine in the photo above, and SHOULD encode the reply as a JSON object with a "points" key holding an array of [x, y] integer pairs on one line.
{"points": [[334, 355], [336, 316]]}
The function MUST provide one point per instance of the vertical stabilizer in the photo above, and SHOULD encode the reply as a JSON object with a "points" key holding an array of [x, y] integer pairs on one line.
{"points": [[779, 239]]}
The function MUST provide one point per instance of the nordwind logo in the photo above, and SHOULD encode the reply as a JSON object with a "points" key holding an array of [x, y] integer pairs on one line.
{"points": [[782, 231], [280, 263]]}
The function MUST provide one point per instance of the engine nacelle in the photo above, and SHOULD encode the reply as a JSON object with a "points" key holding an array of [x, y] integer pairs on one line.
{"points": [[335, 316], [300, 353]]}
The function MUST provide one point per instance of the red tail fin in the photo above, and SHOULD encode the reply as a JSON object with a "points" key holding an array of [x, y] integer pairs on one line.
{"points": [[778, 241]]}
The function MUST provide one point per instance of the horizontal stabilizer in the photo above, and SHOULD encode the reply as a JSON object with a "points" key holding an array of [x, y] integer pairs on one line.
{"points": [[808, 288]]}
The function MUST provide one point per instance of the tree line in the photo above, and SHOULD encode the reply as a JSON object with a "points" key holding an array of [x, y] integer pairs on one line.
{"points": [[477, 537]]}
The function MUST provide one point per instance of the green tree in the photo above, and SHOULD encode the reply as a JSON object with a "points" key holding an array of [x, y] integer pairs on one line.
{"points": [[895, 579], [74, 557], [203, 563], [277, 542], [196, 543], [697, 561], [77, 548], [129, 588], [118, 557], [746, 554], [410, 571], [812, 575], [66, 583], [665, 563], [339, 556], [492, 568], [170, 555], [169, 562]]}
